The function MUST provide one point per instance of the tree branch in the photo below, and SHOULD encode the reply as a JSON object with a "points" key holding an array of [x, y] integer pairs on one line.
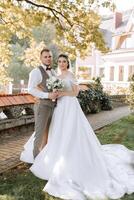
{"points": [[54, 11], [57, 19]]}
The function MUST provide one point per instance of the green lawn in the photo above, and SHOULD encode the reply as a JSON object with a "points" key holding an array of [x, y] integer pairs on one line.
{"points": [[121, 131], [20, 184]]}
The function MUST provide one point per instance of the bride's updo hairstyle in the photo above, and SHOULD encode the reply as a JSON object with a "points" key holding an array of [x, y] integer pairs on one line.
{"points": [[66, 57]]}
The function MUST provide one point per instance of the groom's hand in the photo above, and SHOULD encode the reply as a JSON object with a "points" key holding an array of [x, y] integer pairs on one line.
{"points": [[61, 94], [52, 95]]}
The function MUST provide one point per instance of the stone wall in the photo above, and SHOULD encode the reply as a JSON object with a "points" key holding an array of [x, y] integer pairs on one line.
{"points": [[16, 113], [19, 125]]}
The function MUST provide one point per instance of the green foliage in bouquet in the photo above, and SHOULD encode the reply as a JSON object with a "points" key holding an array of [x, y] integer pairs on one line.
{"points": [[94, 100]]}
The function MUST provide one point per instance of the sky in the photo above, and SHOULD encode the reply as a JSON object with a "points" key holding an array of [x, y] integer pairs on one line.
{"points": [[121, 5], [124, 4]]}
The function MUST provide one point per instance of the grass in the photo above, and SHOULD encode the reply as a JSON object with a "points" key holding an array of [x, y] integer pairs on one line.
{"points": [[120, 132], [21, 184]]}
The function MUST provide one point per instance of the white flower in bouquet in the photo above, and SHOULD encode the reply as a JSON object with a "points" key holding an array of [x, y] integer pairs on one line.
{"points": [[54, 83]]}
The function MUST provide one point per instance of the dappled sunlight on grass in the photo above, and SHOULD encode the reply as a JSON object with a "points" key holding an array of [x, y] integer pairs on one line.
{"points": [[120, 132], [21, 184], [6, 197]]}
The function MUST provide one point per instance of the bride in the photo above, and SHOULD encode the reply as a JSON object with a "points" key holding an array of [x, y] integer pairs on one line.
{"points": [[74, 162]]}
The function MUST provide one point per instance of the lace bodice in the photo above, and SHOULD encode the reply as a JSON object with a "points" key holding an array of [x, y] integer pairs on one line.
{"points": [[68, 81]]}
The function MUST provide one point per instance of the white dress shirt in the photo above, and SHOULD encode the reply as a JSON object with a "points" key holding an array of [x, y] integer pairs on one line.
{"points": [[35, 78]]}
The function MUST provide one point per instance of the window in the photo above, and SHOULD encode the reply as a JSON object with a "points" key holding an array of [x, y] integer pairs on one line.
{"points": [[121, 73], [128, 42], [112, 73], [101, 72]]}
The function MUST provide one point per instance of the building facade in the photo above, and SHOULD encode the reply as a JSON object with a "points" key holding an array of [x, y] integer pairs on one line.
{"points": [[117, 66]]}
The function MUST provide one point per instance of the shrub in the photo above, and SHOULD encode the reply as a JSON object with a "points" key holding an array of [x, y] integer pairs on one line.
{"points": [[94, 100]]}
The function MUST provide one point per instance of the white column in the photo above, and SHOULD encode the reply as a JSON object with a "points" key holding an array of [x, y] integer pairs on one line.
{"points": [[116, 72], [22, 85], [92, 71], [107, 71], [97, 54], [94, 60]]}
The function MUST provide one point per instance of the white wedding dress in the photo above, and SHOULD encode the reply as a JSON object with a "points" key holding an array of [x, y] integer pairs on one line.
{"points": [[74, 162]]}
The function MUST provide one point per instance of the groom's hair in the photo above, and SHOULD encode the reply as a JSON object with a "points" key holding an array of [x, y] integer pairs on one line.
{"points": [[44, 50]]}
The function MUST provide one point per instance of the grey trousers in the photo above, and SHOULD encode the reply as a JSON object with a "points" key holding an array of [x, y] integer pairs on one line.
{"points": [[43, 116]]}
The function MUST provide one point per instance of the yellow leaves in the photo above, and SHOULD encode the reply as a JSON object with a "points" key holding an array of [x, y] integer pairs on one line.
{"points": [[4, 79], [77, 25], [22, 34], [32, 54], [4, 54], [18, 19]]}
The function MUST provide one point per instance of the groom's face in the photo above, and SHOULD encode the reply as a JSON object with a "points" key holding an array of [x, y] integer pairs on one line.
{"points": [[46, 58]]}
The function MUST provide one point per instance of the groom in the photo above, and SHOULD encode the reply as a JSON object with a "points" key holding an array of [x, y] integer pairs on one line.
{"points": [[45, 106]]}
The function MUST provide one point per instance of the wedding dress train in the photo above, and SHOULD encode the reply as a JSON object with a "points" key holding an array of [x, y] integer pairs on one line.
{"points": [[74, 162]]}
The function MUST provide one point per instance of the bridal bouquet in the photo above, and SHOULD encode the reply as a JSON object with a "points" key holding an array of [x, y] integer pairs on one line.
{"points": [[54, 84]]}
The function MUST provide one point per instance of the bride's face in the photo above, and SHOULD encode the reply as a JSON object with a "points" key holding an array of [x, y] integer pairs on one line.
{"points": [[62, 63]]}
